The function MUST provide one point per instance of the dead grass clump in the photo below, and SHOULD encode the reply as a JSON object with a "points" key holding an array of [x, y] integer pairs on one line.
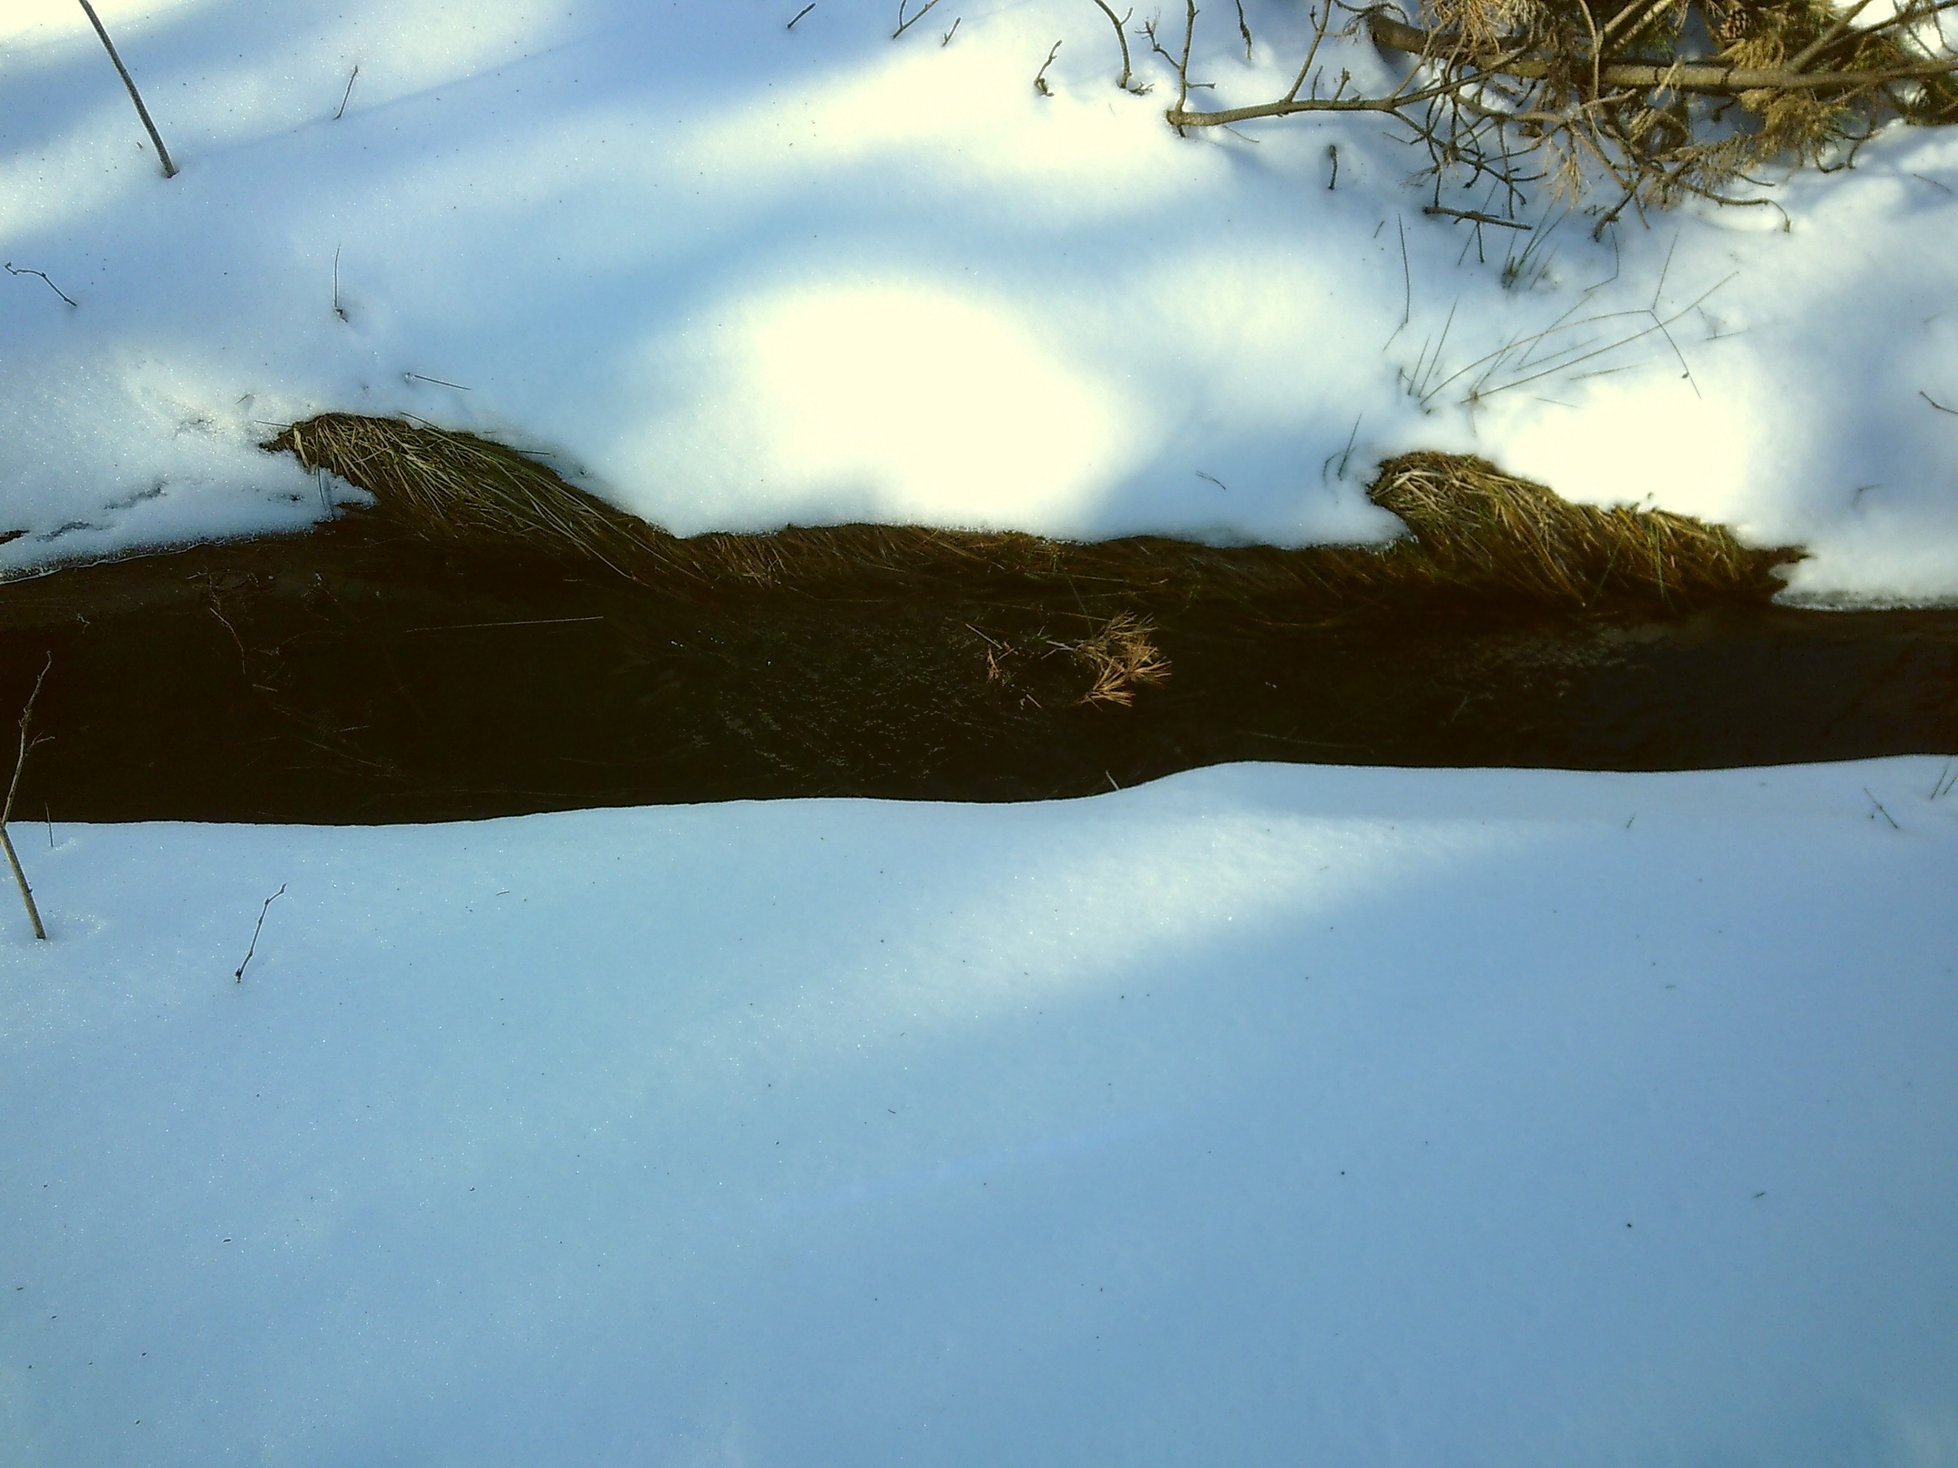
{"points": [[1474, 527], [1117, 657], [1120, 657], [448, 486], [455, 486], [1473, 531]]}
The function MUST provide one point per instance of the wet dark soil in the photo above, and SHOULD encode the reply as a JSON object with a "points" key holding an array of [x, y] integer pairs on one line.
{"points": [[358, 674]]}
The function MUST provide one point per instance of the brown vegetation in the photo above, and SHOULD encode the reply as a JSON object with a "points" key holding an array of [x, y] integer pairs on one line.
{"points": [[1652, 99], [1473, 532]]}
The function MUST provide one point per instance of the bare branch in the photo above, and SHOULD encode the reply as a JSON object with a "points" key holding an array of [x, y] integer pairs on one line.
{"points": [[904, 25], [27, 743], [1645, 76], [1127, 81], [163, 153]]}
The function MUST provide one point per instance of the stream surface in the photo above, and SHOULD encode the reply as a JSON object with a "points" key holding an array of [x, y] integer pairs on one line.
{"points": [[360, 675]]}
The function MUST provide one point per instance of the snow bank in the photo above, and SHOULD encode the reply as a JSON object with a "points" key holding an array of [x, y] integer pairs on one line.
{"points": [[734, 275], [1260, 1115]]}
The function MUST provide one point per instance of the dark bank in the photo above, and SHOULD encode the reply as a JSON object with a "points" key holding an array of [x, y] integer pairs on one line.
{"points": [[380, 670]]}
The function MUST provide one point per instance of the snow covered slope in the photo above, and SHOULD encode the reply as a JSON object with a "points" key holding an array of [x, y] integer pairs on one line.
{"points": [[1258, 1116]]}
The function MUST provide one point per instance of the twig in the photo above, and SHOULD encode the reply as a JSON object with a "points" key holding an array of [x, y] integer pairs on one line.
{"points": [[946, 39], [348, 93], [1183, 66], [7, 811], [1127, 80], [1705, 77], [520, 622], [1878, 810], [1936, 404], [1475, 216], [904, 25], [169, 168], [1040, 77], [1332, 156], [799, 14], [438, 381], [338, 309], [1244, 30], [238, 974], [13, 269]]}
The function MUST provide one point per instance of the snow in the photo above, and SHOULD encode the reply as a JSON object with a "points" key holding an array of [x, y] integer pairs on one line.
{"points": [[736, 275], [1259, 1115], [1262, 1114]]}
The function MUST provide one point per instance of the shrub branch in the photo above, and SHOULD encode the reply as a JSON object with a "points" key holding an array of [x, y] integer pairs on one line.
{"points": [[163, 153], [27, 743], [1655, 99]]}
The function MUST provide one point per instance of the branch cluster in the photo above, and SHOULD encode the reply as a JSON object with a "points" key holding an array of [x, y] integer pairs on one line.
{"points": [[1654, 100]]}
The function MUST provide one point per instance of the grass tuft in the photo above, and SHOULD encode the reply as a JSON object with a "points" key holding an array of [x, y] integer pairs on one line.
{"points": [[1474, 533]]}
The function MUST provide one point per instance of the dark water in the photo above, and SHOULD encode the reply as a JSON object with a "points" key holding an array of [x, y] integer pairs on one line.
{"points": [[358, 676]]}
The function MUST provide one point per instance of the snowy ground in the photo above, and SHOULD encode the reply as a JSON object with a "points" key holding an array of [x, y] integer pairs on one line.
{"points": [[1261, 1115], [742, 275]]}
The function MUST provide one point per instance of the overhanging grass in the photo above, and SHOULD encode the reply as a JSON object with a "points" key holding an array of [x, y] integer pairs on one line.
{"points": [[1473, 532]]}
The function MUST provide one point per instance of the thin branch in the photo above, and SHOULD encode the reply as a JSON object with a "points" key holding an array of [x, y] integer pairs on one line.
{"points": [[169, 168], [7, 811], [238, 974], [1646, 76], [1127, 82], [1475, 216], [1829, 37], [1183, 66], [1040, 77], [344, 96], [904, 25], [12, 269]]}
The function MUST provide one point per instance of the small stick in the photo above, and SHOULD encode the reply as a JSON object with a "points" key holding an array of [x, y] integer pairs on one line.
{"points": [[1040, 77], [1878, 810], [439, 382], [238, 974], [169, 168], [799, 14], [348, 93], [1127, 80], [1474, 216], [1920, 392], [7, 811], [946, 39], [1947, 780], [904, 25], [13, 269]]}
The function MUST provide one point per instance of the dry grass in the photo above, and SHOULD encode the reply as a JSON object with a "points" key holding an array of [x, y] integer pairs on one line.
{"points": [[1120, 657], [1476, 527], [1106, 665], [1473, 531]]}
